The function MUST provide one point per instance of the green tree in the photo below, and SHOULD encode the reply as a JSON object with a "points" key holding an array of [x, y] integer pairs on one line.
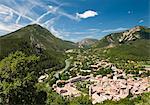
{"points": [[82, 100], [18, 75]]}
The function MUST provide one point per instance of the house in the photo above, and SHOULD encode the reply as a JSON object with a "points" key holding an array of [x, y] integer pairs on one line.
{"points": [[42, 77]]}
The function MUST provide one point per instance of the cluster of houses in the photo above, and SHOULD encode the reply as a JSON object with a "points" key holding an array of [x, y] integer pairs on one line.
{"points": [[114, 86], [110, 89], [117, 85], [105, 88], [101, 64], [95, 67], [69, 88]]}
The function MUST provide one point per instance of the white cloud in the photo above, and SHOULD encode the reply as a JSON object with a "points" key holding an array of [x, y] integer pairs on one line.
{"points": [[95, 29], [114, 30], [24, 7], [86, 14], [17, 13], [54, 10], [9, 28], [50, 22], [7, 13], [4, 10], [55, 32], [42, 16], [50, 7], [8, 17], [141, 21]]}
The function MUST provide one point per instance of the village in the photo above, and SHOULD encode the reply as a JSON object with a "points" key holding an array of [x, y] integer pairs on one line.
{"points": [[113, 86], [99, 79]]}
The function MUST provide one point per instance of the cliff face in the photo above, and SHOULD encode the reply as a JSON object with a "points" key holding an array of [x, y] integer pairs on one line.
{"points": [[131, 34]]}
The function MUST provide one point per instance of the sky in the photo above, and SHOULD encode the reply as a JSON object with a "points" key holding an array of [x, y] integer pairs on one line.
{"points": [[74, 20]]}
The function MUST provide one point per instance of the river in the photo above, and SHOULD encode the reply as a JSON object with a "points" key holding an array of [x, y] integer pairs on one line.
{"points": [[68, 62]]}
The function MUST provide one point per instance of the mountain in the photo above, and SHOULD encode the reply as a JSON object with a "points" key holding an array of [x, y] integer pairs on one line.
{"points": [[130, 44], [135, 33], [87, 42], [34, 39]]}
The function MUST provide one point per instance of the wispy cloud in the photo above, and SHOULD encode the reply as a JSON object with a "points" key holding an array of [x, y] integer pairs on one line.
{"points": [[9, 28], [10, 9], [50, 22], [68, 15], [94, 29], [16, 12], [42, 16], [75, 36], [13, 9], [89, 32], [6, 13], [55, 32], [114, 30], [141, 21], [4, 10], [79, 38]]}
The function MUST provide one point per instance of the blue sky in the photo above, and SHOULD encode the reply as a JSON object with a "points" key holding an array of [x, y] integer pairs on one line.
{"points": [[74, 20]]}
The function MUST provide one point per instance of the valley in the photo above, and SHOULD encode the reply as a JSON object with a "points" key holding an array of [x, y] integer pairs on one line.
{"points": [[37, 67], [100, 79], [74, 52]]}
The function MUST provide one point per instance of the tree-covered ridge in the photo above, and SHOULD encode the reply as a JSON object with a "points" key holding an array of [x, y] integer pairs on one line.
{"points": [[34, 39]]}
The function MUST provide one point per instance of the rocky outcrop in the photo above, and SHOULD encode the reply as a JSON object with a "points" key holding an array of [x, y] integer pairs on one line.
{"points": [[124, 37], [130, 35]]}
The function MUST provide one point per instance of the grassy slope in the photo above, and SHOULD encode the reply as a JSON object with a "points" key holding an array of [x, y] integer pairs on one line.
{"points": [[135, 50]]}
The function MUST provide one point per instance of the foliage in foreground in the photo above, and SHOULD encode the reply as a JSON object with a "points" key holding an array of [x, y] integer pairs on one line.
{"points": [[18, 77]]}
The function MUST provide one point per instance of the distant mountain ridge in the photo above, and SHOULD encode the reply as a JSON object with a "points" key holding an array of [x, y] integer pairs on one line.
{"points": [[130, 44], [135, 33], [86, 42]]}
